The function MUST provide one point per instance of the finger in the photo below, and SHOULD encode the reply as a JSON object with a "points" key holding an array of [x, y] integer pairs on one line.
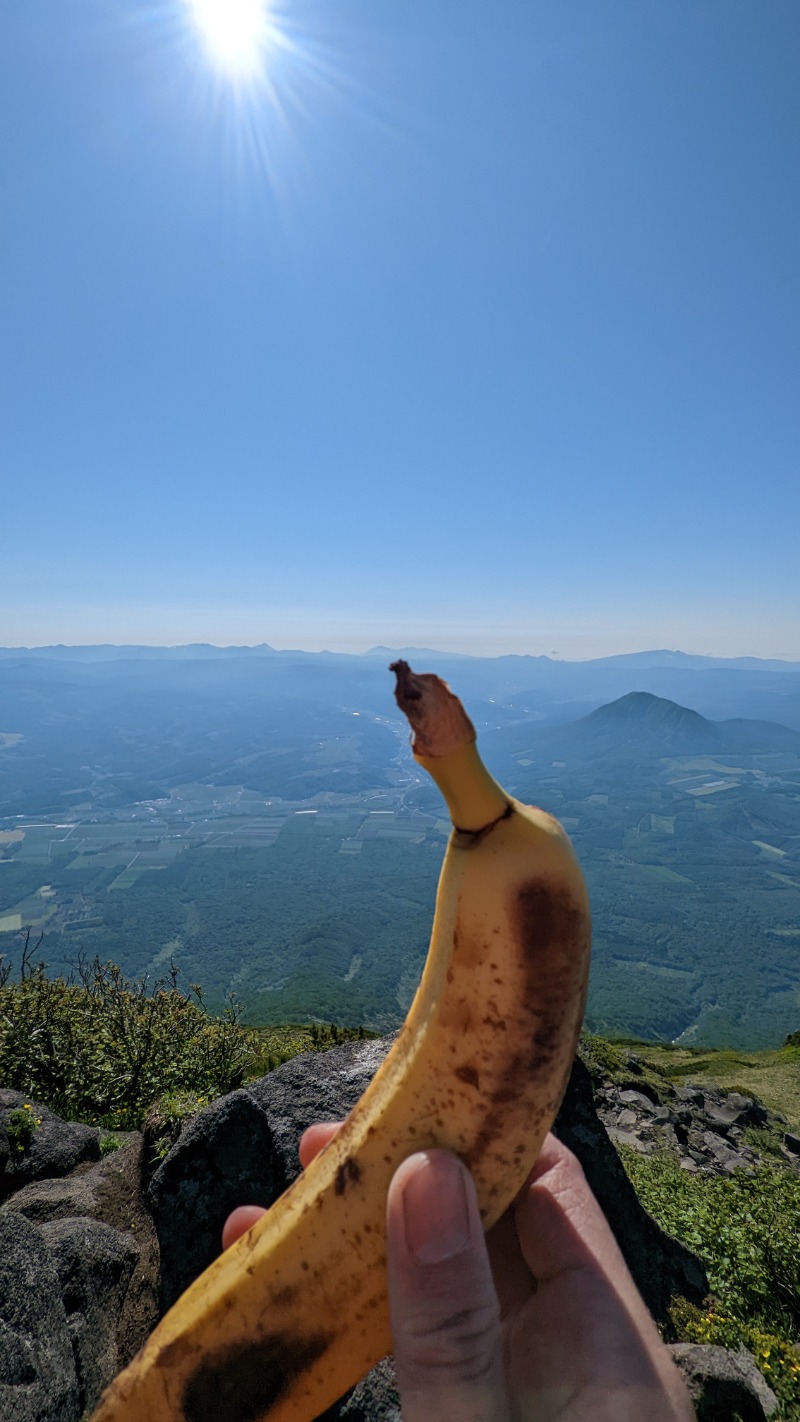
{"points": [[559, 1221], [568, 1244], [444, 1311], [512, 1277], [561, 1228], [239, 1221], [314, 1138]]}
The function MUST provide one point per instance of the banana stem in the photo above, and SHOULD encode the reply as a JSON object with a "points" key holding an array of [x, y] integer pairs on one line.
{"points": [[443, 742]]}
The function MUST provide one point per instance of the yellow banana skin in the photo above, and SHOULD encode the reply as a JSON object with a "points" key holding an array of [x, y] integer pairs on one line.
{"points": [[296, 1312]]}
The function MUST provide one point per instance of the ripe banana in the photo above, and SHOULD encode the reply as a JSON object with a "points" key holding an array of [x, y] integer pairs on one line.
{"points": [[295, 1312]]}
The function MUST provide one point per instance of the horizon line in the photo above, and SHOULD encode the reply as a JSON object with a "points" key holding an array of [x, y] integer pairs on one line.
{"points": [[380, 649]]}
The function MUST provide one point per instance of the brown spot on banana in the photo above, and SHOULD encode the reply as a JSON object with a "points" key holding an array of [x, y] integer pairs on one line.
{"points": [[244, 1382], [510, 946]]}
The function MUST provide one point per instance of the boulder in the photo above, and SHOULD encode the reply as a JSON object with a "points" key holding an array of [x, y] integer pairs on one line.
{"points": [[318, 1086], [737, 1110], [38, 1381], [223, 1158], [722, 1384], [56, 1147], [242, 1150], [94, 1264], [57, 1199], [110, 1193]]}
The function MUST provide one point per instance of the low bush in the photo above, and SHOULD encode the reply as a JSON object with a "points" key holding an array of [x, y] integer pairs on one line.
{"points": [[102, 1050], [20, 1128]]}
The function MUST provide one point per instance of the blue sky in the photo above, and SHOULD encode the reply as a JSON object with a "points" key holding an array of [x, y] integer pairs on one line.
{"points": [[467, 324]]}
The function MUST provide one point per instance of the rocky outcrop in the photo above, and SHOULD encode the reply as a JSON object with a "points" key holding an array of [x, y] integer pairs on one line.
{"points": [[38, 1378], [710, 1130], [225, 1157], [93, 1250], [723, 1384], [100, 1243], [94, 1264], [56, 1147]]}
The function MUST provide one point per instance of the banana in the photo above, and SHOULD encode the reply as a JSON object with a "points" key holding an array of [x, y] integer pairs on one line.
{"points": [[296, 1312]]}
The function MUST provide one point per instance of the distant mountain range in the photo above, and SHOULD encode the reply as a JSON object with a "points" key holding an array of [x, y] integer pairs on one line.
{"points": [[109, 652], [498, 690]]}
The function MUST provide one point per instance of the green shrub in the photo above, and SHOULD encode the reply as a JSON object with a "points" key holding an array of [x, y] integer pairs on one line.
{"points": [[103, 1050], [766, 1140], [20, 1128], [167, 1116], [109, 1142]]}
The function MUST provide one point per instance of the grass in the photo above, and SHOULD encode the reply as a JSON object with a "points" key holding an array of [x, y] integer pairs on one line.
{"points": [[744, 1228]]}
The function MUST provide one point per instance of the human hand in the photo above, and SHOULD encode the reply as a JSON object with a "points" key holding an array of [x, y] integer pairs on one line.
{"points": [[538, 1321]]}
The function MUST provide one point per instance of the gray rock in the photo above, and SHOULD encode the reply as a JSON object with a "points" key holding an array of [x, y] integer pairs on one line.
{"points": [[738, 1162], [693, 1094], [639, 1100], [725, 1155], [375, 1399], [792, 1142], [745, 1110], [669, 1137], [225, 1157], [55, 1199], [38, 1382], [55, 1149], [723, 1384], [627, 1138], [94, 1264], [109, 1192], [625, 1119], [318, 1086]]}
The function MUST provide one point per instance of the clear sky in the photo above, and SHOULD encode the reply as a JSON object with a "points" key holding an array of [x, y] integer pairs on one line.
{"points": [[470, 323]]}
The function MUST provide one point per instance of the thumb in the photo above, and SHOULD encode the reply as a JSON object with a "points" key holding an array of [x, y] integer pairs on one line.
{"points": [[445, 1316]]}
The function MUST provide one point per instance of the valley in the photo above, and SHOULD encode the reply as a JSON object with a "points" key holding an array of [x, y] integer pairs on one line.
{"points": [[288, 851]]}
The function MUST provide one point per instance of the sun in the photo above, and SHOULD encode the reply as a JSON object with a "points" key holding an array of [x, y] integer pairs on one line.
{"points": [[234, 32]]}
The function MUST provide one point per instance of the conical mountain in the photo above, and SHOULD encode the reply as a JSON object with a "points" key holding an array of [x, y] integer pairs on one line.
{"points": [[645, 722]]}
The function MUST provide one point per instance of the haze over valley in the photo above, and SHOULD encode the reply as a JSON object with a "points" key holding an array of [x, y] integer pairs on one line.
{"points": [[256, 817]]}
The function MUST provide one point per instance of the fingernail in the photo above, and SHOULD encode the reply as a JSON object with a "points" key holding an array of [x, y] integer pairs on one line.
{"points": [[436, 1209]]}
